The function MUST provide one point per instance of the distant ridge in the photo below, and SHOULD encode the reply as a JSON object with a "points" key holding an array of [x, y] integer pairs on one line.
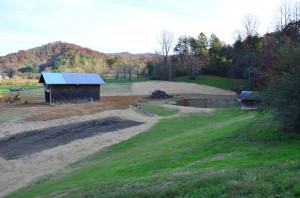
{"points": [[46, 55]]}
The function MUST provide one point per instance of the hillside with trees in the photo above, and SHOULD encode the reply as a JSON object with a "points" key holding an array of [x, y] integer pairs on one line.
{"points": [[252, 57], [66, 57], [270, 63]]}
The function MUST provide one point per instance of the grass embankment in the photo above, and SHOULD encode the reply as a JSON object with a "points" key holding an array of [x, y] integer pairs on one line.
{"points": [[226, 153], [159, 109], [214, 81]]}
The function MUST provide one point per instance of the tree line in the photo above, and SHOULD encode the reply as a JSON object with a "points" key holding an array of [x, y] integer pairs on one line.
{"points": [[270, 63]]}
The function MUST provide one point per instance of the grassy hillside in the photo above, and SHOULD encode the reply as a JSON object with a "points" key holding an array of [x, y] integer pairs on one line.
{"points": [[225, 153], [214, 81]]}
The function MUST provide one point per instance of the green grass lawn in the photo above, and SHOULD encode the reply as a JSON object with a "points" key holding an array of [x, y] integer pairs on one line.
{"points": [[125, 80], [214, 81], [227, 153], [5, 88], [113, 87]]}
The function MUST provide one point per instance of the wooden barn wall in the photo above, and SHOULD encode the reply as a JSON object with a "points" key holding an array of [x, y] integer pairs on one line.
{"points": [[74, 93]]}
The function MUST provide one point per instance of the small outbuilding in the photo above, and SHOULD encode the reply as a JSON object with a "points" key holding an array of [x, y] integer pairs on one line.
{"points": [[250, 100], [71, 87]]}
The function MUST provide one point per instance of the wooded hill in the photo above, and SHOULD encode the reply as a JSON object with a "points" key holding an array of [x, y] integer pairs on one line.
{"points": [[67, 57]]}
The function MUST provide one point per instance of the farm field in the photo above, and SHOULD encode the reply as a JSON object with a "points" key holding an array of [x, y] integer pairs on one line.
{"points": [[112, 150], [142, 87], [214, 81], [221, 152], [22, 122]]}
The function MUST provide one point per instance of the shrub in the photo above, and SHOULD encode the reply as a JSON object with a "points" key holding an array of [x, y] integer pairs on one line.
{"points": [[283, 97]]}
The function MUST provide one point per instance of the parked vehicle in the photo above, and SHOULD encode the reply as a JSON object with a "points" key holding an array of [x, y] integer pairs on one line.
{"points": [[159, 94]]}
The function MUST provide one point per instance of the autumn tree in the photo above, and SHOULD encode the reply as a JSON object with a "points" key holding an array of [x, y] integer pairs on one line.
{"points": [[183, 52], [131, 65], [202, 45], [200, 52], [192, 53], [214, 67], [238, 60], [214, 48], [195, 53]]}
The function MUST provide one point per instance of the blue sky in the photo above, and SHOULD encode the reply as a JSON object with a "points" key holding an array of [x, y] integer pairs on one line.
{"points": [[123, 25]]}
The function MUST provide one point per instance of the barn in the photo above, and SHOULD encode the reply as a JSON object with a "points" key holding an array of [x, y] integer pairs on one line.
{"points": [[71, 87]]}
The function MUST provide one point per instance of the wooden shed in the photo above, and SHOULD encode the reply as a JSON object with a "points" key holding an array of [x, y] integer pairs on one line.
{"points": [[250, 100], [71, 87]]}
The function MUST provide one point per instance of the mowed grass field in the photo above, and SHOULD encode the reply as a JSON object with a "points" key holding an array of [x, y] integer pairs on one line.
{"points": [[214, 81], [4, 89], [226, 153]]}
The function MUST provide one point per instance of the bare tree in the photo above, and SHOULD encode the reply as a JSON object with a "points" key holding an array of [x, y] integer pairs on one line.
{"points": [[250, 24], [165, 41], [131, 66], [249, 30], [284, 15], [296, 11]]}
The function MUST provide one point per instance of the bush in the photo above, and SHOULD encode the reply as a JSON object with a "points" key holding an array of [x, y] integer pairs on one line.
{"points": [[283, 97]]}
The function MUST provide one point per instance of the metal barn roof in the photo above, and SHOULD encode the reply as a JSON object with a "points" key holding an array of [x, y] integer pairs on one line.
{"points": [[250, 95], [70, 79]]}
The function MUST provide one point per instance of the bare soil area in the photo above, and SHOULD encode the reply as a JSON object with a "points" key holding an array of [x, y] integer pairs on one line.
{"points": [[38, 139], [30, 142], [20, 167], [146, 88]]}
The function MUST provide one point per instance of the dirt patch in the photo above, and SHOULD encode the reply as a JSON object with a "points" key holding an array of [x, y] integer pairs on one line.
{"points": [[107, 103], [29, 142], [177, 88], [36, 110], [19, 172]]}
